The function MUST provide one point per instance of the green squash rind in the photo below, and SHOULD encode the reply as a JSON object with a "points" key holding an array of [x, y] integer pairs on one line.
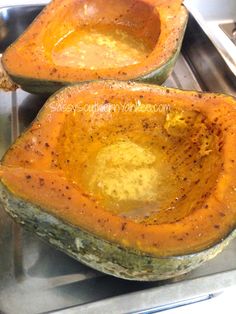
{"points": [[100, 254]]}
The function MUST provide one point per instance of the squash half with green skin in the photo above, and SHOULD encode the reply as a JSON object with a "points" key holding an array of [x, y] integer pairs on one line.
{"points": [[160, 24], [117, 218]]}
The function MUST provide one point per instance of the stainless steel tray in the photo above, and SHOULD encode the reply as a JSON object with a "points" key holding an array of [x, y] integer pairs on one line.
{"points": [[218, 20], [36, 278]]}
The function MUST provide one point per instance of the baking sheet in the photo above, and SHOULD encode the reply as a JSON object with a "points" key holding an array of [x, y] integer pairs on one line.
{"points": [[36, 278]]}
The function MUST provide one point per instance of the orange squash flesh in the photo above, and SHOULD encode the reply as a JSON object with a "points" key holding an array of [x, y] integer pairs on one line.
{"points": [[74, 41], [34, 168]]}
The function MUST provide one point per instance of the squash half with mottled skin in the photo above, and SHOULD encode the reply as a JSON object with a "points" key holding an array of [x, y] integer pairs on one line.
{"points": [[31, 63], [117, 218]]}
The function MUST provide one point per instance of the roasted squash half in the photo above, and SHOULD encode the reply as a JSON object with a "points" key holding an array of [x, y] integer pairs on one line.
{"points": [[75, 41], [134, 180]]}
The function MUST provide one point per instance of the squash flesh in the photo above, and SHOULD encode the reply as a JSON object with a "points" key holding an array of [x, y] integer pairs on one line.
{"points": [[198, 229], [131, 162], [115, 47]]}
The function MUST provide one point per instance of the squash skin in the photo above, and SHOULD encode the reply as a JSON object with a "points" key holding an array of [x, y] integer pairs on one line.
{"points": [[37, 86], [47, 86], [100, 254]]}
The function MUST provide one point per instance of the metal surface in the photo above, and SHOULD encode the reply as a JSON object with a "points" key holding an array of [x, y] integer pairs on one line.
{"points": [[36, 278], [13, 22], [210, 70], [210, 15], [230, 30]]}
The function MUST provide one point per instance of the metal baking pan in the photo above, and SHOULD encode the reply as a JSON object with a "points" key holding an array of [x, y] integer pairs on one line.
{"points": [[218, 20], [36, 278]]}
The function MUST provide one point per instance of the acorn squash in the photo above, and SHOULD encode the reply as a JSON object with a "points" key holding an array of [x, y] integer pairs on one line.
{"points": [[75, 41], [134, 180]]}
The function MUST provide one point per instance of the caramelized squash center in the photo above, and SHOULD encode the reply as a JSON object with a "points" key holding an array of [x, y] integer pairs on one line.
{"points": [[96, 35], [100, 47], [152, 168]]}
